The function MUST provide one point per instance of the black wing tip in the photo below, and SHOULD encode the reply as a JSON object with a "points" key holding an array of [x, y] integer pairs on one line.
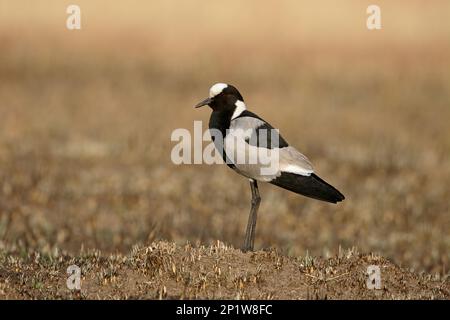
{"points": [[310, 186], [335, 195], [332, 199], [339, 198]]}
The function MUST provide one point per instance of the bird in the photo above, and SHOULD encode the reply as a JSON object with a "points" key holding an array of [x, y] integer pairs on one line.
{"points": [[239, 132]]}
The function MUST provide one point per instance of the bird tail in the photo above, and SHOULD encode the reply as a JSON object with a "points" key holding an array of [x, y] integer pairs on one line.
{"points": [[309, 186]]}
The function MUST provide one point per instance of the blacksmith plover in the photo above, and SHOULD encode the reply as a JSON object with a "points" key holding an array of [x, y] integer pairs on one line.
{"points": [[244, 132]]}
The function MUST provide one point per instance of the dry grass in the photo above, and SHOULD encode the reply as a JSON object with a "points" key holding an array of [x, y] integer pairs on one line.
{"points": [[86, 117], [166, 271]]}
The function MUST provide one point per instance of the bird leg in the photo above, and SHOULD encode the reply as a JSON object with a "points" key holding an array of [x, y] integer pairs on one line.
{"points": [[251, 225]]}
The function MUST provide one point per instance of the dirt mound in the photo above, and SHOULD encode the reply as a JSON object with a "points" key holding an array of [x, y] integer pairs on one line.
{"points": [[169, 271]]}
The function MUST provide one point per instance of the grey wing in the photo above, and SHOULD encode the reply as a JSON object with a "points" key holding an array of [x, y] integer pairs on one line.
{"points": [[291, 160], [258, 138]]}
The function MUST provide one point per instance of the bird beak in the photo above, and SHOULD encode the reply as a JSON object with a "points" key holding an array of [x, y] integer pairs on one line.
{"points": [[203, 103]]}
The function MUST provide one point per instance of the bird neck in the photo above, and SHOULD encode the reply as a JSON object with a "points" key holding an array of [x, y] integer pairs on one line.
{"points": [[220, 119]]}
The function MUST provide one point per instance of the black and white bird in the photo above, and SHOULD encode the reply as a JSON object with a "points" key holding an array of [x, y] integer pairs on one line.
{"points": [[243, 132]]}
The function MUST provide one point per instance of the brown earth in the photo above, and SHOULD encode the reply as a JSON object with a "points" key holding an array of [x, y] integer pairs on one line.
{"points": [[169, 271]]}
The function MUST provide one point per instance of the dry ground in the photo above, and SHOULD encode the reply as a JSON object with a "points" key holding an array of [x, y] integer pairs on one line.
{"points": [[85, 124], [166, 271]]}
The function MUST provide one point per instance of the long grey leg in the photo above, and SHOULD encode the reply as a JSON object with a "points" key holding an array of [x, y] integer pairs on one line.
{"points": [[251, 225]]}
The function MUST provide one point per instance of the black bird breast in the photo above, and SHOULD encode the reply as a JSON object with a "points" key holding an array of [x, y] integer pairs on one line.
{"points": [[220, 120]]}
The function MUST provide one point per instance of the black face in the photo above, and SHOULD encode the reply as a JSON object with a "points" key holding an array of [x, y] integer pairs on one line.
{"points": [[223, 101]]}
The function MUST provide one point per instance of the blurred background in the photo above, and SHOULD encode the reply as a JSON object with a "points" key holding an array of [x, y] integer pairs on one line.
{"points": [[86, 117]]}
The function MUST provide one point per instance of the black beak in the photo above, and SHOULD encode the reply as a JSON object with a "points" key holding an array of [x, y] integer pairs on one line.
{"points": [[203, 103]]}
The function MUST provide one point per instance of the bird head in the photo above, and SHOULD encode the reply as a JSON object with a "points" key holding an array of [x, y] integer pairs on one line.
{"points": [[222, 97]]}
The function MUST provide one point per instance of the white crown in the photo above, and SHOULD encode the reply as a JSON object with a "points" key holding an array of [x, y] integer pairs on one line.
{"points": [[217, 89]]}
